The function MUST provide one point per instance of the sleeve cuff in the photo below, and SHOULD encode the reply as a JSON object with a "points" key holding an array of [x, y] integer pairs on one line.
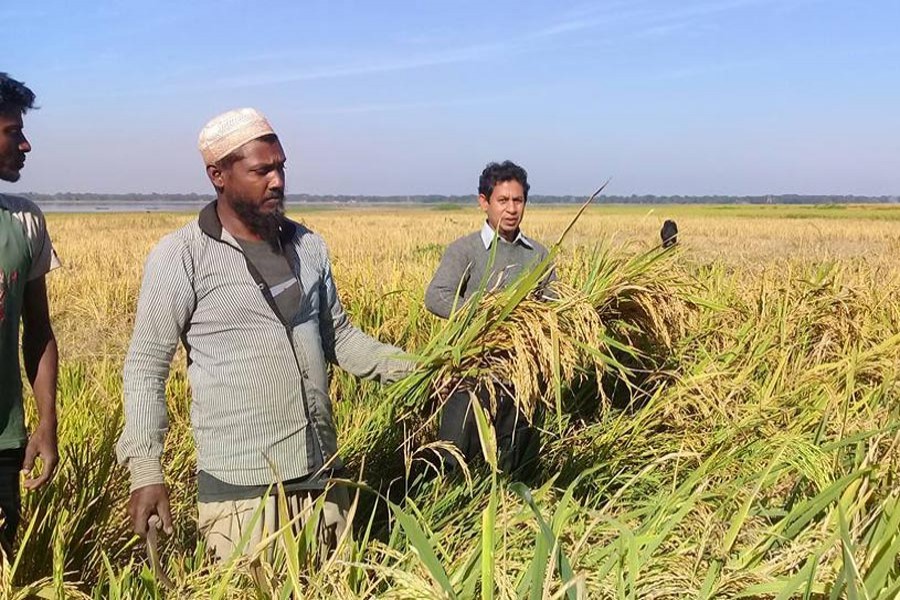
{"points": [[400, 368], [145, 471]]}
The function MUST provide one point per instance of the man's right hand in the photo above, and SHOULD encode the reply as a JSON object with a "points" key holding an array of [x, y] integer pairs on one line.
{"points": [[148, 501]]}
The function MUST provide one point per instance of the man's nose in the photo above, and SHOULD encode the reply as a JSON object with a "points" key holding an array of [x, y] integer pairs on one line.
{"points": [[276, 182], [24, 145]]}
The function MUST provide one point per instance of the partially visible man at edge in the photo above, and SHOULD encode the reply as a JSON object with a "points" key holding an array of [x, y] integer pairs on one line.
{"points": [[26, 256], [251, 295], [502, 195]]}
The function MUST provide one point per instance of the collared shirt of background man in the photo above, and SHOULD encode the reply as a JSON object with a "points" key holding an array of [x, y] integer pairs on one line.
{"points": [[26, 256], [252, 296], [502, 195]]}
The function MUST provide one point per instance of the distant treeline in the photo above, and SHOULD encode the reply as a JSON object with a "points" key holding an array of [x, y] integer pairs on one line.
{"points": [[74, 197]]}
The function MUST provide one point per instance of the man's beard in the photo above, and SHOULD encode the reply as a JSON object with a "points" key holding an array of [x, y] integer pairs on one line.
{"points": [[12, 174], [265, 225]]}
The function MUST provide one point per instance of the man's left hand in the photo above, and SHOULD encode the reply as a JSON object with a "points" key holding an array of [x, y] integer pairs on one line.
{"points": [[42, 443]]}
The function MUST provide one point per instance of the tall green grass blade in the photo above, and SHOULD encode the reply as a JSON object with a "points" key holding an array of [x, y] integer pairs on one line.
{"points": [[423, 548]]}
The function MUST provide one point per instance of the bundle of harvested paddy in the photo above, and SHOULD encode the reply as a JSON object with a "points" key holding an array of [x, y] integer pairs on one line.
{"points": [[540, 344]]}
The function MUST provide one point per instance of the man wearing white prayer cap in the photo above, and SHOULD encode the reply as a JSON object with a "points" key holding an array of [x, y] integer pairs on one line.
{"points": [[251, 296]]}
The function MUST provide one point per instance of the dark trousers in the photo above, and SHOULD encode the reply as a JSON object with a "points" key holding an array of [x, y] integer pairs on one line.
{"points": [[518, 442], [10, 496]]}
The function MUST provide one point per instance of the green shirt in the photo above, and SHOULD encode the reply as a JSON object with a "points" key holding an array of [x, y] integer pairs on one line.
{"points": [[25, 254]]}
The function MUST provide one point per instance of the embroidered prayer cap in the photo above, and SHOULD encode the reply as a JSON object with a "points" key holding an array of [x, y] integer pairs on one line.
{"points": [[229, 131]]}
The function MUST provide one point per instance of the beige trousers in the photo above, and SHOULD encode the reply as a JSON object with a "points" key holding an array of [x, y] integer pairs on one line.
{"points": [[225, 524]]}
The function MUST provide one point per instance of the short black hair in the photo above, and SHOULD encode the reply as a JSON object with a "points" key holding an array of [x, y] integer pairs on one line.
{"points": [[495, 173], [14, 95]]}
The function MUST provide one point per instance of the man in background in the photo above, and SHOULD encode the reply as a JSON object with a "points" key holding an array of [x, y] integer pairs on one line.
{"points": [[465, 265], [26, 256]]}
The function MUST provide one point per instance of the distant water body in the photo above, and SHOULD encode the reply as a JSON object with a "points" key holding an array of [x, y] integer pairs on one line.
{"points": [[132, 207]]}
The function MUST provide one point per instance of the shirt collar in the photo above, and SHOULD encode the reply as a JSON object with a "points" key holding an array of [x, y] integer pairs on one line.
{"points": [[487, 237], [211, 225]]}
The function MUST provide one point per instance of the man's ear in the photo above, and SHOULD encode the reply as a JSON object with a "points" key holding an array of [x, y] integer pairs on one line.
{"points": [[483, 202], [215, 176]]}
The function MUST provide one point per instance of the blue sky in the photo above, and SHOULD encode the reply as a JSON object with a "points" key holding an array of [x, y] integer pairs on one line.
{"points": [[665, 97]]}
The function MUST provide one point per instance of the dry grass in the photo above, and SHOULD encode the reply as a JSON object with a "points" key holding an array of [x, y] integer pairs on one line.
{"points": [[761, 459]]}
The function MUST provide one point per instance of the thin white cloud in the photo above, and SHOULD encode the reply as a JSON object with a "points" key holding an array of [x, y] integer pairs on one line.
{"points": [[648, 22], [462, 54], [646, 18], [582, 23], [465, 54], [655, 31], [623, 19], [402, 106]]}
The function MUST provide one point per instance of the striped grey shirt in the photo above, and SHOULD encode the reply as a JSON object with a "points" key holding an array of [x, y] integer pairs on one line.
{"points": [[259, 385]]}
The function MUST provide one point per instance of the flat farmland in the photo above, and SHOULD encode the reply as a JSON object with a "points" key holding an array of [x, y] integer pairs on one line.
{"points": [[754, 454]]}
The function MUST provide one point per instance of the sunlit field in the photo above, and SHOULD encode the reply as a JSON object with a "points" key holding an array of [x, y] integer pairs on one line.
{"points": [[721, 420]]}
